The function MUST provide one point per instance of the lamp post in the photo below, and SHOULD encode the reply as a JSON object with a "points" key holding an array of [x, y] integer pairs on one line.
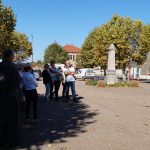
{"points": [[32, 47]]}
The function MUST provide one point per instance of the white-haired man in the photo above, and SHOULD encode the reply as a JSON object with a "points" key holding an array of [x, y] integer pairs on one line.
{"points": [[69, 72]]}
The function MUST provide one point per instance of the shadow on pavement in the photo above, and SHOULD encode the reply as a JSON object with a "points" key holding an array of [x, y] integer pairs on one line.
{"points": [[57, 121]]}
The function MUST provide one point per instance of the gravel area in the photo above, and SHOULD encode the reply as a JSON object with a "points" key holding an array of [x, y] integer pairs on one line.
{"points": [[104, 119]]}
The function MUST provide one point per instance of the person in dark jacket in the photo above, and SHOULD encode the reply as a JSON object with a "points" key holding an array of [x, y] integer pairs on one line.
{"points": [[47, 81], [55, 75], [9, 129]]}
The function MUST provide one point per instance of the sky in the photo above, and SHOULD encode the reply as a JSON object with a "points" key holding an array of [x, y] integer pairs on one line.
{"points": [[69, 21]]}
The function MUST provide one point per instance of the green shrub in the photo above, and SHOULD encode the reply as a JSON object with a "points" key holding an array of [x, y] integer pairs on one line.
{"points": [[119, 84], [88, 82], [134, 83], [95, 82], [101, 83]]}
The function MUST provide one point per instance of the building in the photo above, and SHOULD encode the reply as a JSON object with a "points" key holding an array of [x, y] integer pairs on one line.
{"points": [[142, 71], [73, 52]]}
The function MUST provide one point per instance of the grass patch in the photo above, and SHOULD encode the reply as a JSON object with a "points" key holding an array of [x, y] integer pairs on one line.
{"points": [[102, 83]]}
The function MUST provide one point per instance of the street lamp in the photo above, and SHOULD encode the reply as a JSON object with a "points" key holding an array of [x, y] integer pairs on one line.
{"points": [[32, 47]]}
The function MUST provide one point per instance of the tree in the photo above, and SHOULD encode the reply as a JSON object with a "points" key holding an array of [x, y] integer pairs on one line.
{"points": [[119, 32], [20, 44], [56, 53], [7, 26], [100, 47], [9, 39], [38, 63], [130, 38], [85, 58], [144, 43]]}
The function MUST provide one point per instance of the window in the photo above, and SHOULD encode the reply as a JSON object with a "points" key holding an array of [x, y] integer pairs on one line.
{"points": [[70, 57]]}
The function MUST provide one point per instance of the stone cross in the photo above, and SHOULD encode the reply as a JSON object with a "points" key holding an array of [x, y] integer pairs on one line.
{"points": [[111, 69]]}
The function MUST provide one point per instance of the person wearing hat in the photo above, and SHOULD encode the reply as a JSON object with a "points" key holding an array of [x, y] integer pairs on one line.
{"points": [[9, 85]]}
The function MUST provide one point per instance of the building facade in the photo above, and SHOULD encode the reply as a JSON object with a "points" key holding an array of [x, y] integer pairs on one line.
{"points": [[73, 52]]}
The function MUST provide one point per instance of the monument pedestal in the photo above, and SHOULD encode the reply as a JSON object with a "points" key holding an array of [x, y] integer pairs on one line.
{"points": [[111, 77]]}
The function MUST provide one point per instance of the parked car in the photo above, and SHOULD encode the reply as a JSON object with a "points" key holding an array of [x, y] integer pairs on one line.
{"points": [[84, 73]]}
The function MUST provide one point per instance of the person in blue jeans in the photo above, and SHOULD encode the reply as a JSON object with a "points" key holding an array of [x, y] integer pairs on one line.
{"points": [[69, 72], [56, 77], [47, 81]]}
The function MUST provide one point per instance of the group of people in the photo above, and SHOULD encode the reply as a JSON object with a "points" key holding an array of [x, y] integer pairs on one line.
{"points": [[18, 83], [53, 77], [9, 84]]}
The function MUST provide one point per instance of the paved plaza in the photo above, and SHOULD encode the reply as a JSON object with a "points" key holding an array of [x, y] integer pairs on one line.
{"points": [[104, 119]]}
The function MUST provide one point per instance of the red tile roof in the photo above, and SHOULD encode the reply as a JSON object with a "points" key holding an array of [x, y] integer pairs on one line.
{"points": [[71, 49]]}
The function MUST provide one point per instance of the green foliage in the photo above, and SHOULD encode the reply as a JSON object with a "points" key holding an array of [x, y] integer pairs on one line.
{"points": [[9, 39], [56, 53], [7, 26], [78, 61], [38, 63], [94, 82], [130, 37], [119, 84], [88, 82], [100, 46], [144, 43], [20, 44], [86, 59], [101, 83]]}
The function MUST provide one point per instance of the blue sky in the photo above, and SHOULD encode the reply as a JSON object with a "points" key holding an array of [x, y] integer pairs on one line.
{"points": [[70, 21]]}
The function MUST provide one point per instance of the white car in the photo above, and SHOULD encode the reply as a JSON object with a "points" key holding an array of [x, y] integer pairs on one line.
{"points": [[84, 73]]}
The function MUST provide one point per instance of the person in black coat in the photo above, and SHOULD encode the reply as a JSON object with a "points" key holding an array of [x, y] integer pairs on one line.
{"points": [[47, 81], [9, 85]]}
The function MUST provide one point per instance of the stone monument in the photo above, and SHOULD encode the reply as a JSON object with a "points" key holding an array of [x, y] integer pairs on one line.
{"points": [[111, 77], [145, 68]]}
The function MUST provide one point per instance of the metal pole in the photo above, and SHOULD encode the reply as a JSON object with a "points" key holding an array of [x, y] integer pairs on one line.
{"points": [[32, 47]]}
